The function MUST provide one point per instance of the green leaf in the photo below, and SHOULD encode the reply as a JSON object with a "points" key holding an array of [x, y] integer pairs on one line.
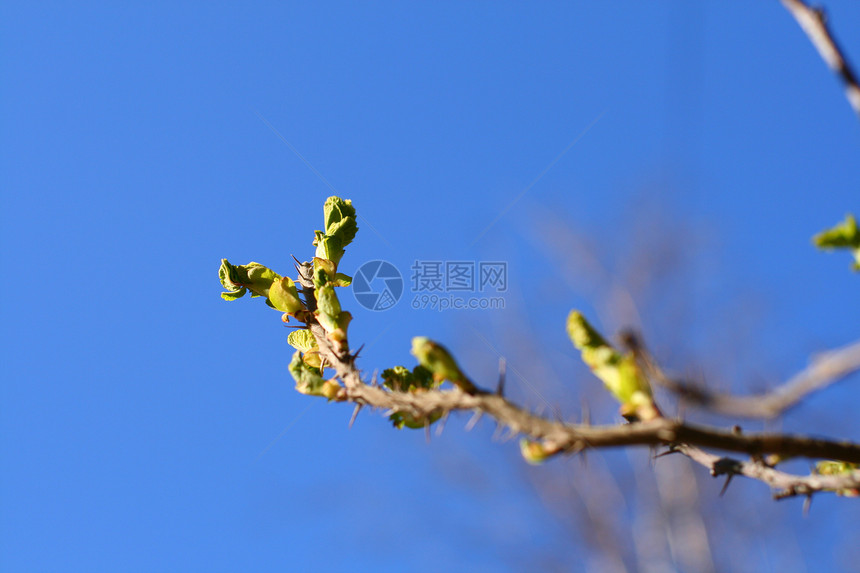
{"points": [[229, 280], [305, 342], [237, 279], [340, 219], [342, 280], [404, 420], [845, 235], [302, 340], [400, 378], [284, 296]]}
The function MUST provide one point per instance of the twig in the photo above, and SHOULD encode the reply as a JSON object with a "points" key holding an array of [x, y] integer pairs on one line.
{"points": [[786, 485], [825, 369], [814, 23]]}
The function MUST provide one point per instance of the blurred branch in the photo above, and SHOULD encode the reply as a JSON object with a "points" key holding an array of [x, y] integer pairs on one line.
{"points": [[814, 23], [560, 437], [785, 484], [825, 369]]}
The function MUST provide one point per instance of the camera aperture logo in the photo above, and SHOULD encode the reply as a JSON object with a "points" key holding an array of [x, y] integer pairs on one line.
{"points": [[377, 285], [436, 285]]}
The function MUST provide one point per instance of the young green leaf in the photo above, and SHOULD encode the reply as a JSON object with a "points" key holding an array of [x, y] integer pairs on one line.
{"points": [[845, 235], [402, 379], [237, 279], [340, 230]]}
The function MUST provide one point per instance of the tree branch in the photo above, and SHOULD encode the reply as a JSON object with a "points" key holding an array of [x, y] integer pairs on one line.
{"points": [[785, 484], [825, 369], [561, 437], [814, 23]]}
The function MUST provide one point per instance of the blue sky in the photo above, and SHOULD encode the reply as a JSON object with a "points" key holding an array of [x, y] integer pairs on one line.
{"points": [[147, 425]]}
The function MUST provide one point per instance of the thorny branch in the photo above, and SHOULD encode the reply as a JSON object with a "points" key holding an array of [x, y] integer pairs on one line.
{"points": [[562, 437], [785, 484], [814, 23]]}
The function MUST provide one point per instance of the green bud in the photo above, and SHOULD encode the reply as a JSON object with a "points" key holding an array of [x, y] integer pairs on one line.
{"points": [[340, 229], [327, 302], [619, 373], [535, 452], [324, 270], [831, 468], [436, 358], [309, 380]]}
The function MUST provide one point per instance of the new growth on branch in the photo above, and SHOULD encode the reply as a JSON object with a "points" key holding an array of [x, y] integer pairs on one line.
{"points": [[324, 365]]}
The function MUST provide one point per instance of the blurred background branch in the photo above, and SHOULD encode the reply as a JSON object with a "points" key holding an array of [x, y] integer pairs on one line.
{"points": [[814, 23]]}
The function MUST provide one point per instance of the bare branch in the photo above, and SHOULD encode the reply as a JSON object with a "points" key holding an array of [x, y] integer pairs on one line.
{"points": [[825, 369], [785, 484], [814, 23]]}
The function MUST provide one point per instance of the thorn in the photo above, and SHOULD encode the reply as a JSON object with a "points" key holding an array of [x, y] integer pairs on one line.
{"points": [[586, 413], [807, 503], [726, 485], [497, 433], [427, 429], [671, 450], [441, 424], [682, 406], [503, 366], [374, 381], [575, 448], [354, 415], [357, 352], [474, 421], [556, 413]]}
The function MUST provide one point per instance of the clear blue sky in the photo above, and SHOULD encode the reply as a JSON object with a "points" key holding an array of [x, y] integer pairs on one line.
{"points": [[140, 414]]}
